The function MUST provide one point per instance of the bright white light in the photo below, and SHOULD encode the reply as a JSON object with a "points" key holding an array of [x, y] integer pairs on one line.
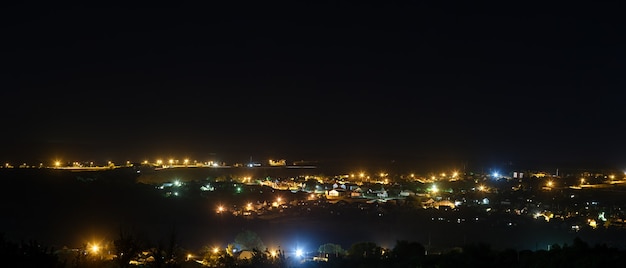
{"points": [[434, 189], [496, 174], [299, 253], [601, 216]]}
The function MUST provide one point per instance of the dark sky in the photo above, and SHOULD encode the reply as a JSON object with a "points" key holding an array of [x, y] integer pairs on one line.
{"points": [[414, 83]]}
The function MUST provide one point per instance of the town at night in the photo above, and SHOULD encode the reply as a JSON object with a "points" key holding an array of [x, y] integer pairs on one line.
{"points": [[313, 134], [297, 214]]}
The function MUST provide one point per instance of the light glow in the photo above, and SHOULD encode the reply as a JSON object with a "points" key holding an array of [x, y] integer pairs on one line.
{"points": [[94, 248]]}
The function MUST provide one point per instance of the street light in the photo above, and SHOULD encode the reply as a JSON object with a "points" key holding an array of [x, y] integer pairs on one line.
{"points": [[94, 248]]}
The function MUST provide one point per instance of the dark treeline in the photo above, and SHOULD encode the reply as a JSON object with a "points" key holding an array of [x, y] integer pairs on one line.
{"points": [[361, 254], [412, 254]]}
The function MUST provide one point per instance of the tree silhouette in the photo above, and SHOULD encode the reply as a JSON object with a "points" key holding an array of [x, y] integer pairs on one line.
{"points": [[30, 254], [126, 248], [331, 249], [248, 240], [407, 254], [365, 254]]}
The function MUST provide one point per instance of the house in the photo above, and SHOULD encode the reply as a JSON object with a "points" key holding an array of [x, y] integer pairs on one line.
{"points": [[336, 193], [407, 193], [356, 193], [245, 254]]}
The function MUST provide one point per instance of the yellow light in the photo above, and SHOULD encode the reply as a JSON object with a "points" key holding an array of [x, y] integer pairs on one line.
{"points": [[57, 163], [273, 253], [279, 199], [455, 174], [159, 161], [220, 209], [216, 250], [94, 248], [361, 174], [186, 161], [550, 183], [171, 161]]}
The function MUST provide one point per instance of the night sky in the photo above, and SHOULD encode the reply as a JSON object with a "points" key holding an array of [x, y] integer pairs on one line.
{"points": [[416, 84]]}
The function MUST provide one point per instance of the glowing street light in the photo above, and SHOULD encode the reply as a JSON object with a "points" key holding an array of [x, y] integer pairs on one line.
{"points": [[94, 248]]}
